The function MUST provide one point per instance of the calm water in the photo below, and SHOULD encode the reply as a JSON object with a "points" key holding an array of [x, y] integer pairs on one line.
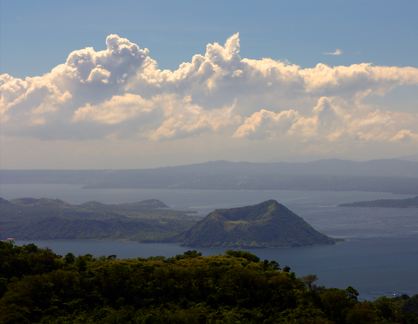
{"points": [[379, 256]]}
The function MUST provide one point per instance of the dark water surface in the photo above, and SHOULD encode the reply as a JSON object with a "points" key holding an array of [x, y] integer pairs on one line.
{"points": [[379, 256]]}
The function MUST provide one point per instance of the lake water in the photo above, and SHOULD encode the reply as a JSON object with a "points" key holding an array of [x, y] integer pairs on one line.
{"points": [[379, 256]]}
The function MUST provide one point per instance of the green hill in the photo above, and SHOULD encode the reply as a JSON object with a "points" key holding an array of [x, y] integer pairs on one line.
{"points": [[266, 225], [43, 202], [145, 204], [53, 219]]}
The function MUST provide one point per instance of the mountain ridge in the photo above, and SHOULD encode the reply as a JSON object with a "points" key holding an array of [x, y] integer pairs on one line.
{"points": [[332, 166], [386, 175]]}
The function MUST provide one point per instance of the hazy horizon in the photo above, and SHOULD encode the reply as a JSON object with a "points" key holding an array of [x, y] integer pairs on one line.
{"points": [[408, 158]]}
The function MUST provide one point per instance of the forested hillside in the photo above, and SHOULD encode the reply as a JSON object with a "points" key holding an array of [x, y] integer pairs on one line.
{"points": [[52, 219], [38, 286]]}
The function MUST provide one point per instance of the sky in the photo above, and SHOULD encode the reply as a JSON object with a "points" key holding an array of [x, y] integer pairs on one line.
{"points": [[143, 84]]}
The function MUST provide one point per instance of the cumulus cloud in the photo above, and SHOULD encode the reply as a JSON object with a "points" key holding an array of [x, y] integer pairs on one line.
{"points": [[328, 122], [121, 92], [268, 124], [337, 52], [405, 135], [192, 120], [115, 110]]}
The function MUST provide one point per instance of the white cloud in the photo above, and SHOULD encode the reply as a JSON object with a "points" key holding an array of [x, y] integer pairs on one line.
{"points": [[330, 123], [337, 52], [405, 135], [115, 110], [192, 120], [267, 124], [120, 92]]}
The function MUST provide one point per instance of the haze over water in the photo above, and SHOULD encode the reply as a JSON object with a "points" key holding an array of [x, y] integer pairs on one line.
{"points": [[379, 256]]}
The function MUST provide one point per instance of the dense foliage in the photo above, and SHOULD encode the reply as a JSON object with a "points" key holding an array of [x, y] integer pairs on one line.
{"points": [[37, 286], [52, 219], [265, 225]]}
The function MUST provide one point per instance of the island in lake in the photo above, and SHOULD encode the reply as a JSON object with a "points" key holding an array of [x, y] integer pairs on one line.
{"points": [[55, 219], [386, 203], [266, 225]]}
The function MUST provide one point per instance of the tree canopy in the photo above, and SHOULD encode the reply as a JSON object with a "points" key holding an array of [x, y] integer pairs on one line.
{"points": [[38, 286]]}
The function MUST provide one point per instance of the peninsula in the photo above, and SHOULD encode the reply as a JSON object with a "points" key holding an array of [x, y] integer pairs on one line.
{"points": [[386, 203]]}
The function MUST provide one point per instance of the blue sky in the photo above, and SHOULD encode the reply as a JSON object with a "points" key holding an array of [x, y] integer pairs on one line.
{"points": [[38, 36]]}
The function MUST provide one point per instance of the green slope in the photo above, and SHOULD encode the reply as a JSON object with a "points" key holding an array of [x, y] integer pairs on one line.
{"points": [[46, 219], [265, 225]]}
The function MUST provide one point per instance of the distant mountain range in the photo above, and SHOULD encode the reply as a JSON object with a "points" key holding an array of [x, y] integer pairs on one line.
{"points": [[328, 167], [390, 175], [266, 225], [412, 158]]}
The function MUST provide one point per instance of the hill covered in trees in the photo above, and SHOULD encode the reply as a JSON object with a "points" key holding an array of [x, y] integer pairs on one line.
{"points": [[38, 286], [46, 219], [265, 225], [386, 203]]}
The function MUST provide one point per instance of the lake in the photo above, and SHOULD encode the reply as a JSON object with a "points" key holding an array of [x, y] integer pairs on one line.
{"points": [[380, 256]]}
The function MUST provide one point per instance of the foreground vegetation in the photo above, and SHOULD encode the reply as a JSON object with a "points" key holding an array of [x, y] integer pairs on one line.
{"points": [[38, 286], [54, 219]]}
